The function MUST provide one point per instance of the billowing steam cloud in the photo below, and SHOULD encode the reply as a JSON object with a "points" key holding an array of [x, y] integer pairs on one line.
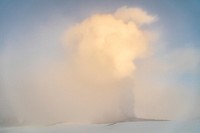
{"points": [[106, 45], [93, 83], [103, 50], [108, 72]]}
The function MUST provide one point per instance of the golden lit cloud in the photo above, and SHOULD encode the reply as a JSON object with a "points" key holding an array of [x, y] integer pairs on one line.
{"points": [[109, 43]]}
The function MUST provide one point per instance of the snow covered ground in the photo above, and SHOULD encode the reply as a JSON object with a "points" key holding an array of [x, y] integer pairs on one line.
{"points": [[126, 127]]}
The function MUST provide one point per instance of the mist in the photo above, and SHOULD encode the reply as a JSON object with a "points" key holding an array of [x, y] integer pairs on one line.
{"points": [[106, 68]]}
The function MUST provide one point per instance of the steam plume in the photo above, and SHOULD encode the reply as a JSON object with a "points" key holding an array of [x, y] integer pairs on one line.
{"points": [[108, 73], [92, 84], [103, 49]]}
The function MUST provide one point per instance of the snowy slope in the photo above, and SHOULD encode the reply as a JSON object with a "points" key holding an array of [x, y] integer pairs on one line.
{"points": [[126, 127]]}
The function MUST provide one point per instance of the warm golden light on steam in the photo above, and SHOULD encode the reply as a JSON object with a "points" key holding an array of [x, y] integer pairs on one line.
{"points": [[93, 83], [109, 43]]}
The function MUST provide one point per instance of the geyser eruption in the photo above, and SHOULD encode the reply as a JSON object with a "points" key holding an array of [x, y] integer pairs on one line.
{"points": [[103, 49], [93, 83]]}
